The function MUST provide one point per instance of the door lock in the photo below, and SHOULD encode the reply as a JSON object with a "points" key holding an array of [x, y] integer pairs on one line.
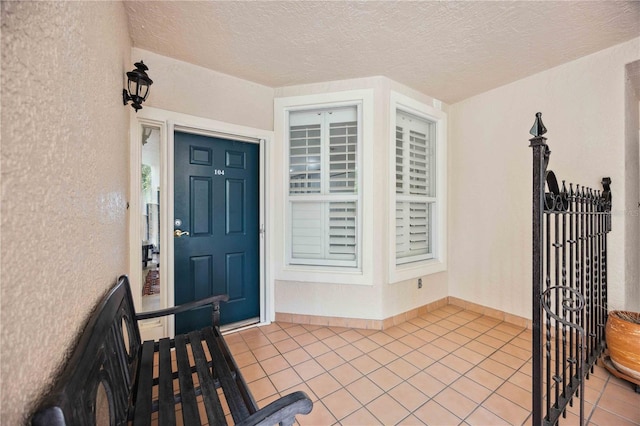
{"points": [[179, 233]]}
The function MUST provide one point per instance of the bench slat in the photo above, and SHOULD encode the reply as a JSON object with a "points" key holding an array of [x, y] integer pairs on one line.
{"points": [[207, 384], [167, 409], [249, 401], [238, 408], [190, 413], [145, 386]]}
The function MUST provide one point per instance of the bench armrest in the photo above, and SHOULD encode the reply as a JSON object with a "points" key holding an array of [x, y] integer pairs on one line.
{"points": [[51, 416], [281, 411], [213, 300]]}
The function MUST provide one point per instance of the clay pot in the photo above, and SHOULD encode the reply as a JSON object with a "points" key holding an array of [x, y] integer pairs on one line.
{"points": [[623, 341]]}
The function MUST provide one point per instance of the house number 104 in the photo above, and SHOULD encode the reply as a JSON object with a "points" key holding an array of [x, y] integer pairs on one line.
{"points": [[218, 172]]}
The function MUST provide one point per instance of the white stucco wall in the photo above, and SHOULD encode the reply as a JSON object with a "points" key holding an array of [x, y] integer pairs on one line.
{"points": [[186, 88], [583, 106], [190, 89], [64, 182], [376, 298]]}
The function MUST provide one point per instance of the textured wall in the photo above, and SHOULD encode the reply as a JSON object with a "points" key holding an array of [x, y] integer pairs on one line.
{"points": [[64, 182], [583, 106], [190, 89]]}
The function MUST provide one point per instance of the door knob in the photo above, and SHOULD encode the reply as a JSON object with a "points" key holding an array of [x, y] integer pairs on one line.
{"points": [[179, 233]]}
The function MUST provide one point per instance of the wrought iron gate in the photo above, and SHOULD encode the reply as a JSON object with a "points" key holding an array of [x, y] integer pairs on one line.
{"points": [[570, 227]]}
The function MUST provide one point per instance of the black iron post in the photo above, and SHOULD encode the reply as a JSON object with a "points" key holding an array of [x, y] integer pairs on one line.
{"points": [[540, 160]]}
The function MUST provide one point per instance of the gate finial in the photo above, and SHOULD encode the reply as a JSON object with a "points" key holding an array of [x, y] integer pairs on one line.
{"points": [[538, 128]]}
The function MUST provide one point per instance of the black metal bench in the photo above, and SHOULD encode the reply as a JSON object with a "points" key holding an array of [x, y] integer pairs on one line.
{"points": [[113, 378]]}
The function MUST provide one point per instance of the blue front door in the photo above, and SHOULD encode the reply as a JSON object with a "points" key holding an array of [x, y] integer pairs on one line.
{"points": [[216, 201]]}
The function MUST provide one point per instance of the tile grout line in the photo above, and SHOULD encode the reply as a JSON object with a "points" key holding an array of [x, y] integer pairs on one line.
{"points": [[393, 338], [459, 326], [478, 405], [364, 406], [460, 375], [413, 349]]}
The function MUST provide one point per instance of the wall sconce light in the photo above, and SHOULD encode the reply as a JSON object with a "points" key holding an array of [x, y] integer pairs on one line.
{"points": [[138, 85]]}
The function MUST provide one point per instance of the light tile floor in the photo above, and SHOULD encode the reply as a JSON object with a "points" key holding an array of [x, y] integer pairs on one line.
{"points": [[449, 367]]}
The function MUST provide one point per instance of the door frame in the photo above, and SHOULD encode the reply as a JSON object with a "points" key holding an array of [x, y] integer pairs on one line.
{"points": [[170, 122]]}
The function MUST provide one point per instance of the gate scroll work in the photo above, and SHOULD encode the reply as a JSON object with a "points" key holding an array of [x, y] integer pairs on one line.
{"points": [[570, 227]]}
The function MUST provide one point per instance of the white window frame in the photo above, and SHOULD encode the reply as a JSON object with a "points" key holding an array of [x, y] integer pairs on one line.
{"points": [[436, 261], [336, 272], [407, 197], [324, 196]]}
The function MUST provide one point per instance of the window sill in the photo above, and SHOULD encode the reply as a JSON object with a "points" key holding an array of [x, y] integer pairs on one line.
{"points": [[414, 270], [322, 274]]}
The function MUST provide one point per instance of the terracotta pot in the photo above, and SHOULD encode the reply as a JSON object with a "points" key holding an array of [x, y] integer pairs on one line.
{"points": [[623, 341]]}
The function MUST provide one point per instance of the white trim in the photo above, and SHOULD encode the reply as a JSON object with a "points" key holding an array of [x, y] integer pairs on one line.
{"points": [[406, 271], [170, 167], [267, 297], [324, 197], [170, 122], [362, 274]]}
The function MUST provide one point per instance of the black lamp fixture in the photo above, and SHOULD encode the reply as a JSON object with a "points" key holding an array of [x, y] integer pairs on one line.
{"points": [[138, 85]]}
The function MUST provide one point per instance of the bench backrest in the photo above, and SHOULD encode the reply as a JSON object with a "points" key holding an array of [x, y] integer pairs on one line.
{"points": [[106, 355]]}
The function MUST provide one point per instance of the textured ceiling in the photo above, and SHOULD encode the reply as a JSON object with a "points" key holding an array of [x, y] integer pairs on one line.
{"points": [[448, 50]]}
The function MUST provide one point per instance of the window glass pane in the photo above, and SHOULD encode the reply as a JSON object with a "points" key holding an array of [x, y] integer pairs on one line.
{"points": [[311, 241], [399, 160], [342, 156], [305, 165], [419, 216], [150, 208], [413, 229], [342, 231], [415, 155], [418, 164]]}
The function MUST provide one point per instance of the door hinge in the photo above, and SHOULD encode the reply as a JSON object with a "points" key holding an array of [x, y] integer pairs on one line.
{"points": [[262, 231]]}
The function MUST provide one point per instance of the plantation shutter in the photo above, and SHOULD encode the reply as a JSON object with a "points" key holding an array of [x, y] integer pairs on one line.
{"points": [[307, 230], [342, 230], [415, 187], [343, 138], [323, 186]]}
